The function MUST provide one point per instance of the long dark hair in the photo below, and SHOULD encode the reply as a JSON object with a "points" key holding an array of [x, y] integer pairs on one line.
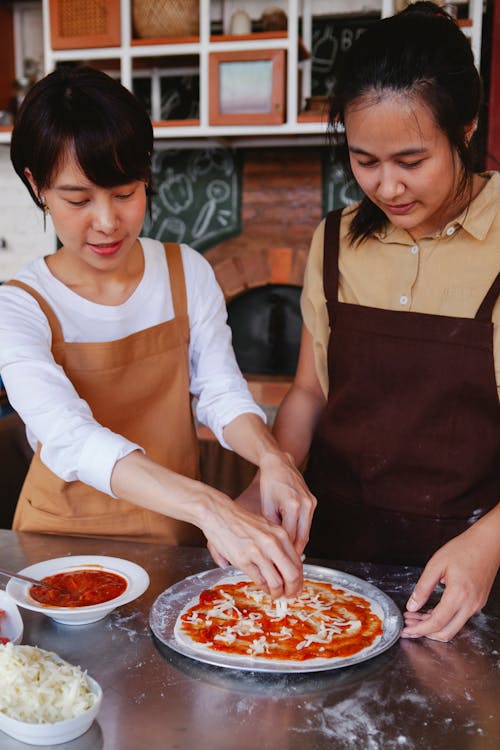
{"points": [[419, 52], [84, 109]]}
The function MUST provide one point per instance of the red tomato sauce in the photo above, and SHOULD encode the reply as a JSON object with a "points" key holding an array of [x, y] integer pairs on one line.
{"points": [[343, 645], [2, 639], [79, 588]]}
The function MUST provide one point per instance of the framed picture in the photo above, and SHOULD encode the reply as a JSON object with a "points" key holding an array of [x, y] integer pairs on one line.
{"points": [[247, 87]]}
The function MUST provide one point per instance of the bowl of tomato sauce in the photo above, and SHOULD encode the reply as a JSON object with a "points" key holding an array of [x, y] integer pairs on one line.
{"points": [[80, 589]]}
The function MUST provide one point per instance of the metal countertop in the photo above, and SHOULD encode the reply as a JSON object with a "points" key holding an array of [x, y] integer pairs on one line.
{"points": [[418, 695]]}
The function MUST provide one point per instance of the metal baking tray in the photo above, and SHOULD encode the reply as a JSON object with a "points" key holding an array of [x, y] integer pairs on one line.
{"points": [[171, 602]]}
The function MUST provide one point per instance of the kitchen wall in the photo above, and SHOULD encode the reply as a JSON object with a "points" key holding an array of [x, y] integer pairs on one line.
{"points": [[21, 223]]}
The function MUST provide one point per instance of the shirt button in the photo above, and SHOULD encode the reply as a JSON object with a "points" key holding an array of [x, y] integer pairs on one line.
{"points": [[450, 231], [414, 249], [403, 299]]}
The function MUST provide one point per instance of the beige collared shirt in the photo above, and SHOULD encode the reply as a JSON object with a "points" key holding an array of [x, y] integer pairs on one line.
{"points": [[448, 273]]}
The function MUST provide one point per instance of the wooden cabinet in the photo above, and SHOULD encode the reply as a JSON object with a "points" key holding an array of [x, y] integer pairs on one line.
{"points": [[77, 24]]}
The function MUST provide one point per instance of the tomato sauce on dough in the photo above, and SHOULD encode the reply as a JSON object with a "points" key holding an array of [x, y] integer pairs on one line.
{"points": [[323, 622]]}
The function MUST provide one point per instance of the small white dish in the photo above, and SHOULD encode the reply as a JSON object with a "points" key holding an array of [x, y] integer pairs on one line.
{"points": [[136, 577], [59, 731], [11, 624]]}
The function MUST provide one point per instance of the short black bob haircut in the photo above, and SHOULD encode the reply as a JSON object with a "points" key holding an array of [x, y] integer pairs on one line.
{"points": [[82, 109], [422, 54]]}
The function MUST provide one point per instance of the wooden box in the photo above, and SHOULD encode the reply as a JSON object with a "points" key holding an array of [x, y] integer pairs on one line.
{"points": [[79, 24]]}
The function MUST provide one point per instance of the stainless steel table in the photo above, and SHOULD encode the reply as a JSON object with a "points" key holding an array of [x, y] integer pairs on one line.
{"points": [[419, 695]]}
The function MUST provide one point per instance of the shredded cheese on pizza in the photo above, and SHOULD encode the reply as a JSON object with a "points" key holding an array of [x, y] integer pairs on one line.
{"points": [[322, 622]]}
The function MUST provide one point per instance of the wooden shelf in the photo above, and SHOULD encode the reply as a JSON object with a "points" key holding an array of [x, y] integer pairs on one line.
{"points": [[197, 48], [176, 123], [249, 37], [306, 116], [152, 41]]}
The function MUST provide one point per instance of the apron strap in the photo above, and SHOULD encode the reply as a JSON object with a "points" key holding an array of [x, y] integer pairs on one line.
{"points": [[485, 310], [177, 280], [53, 320], [331, 260]]}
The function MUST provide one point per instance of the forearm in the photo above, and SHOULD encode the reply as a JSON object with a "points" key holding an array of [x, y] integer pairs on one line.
{"points": [[293, 428], [296, 421], [488, 527], [139, 480], [250, 437]]}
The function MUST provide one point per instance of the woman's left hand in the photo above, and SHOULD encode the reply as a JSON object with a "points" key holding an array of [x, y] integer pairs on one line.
{"points": [[285, 497], [466, 566]]}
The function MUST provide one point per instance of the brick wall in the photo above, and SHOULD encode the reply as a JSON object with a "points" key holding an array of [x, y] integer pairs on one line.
{"points": [[281, 200]]}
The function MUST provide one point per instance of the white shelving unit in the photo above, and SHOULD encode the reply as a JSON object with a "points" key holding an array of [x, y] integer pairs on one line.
{"points": [[129, 53]]}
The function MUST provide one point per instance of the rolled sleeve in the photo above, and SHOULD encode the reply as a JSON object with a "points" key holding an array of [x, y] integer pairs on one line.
{"points": [[217, 421]]}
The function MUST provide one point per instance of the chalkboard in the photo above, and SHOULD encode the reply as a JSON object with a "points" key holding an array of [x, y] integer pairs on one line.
{"points": [[331, 39], [198, 196], [339, 190]]}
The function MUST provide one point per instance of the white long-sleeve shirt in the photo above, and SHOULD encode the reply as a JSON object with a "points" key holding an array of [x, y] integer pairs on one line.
{"points": [[74, 445]]}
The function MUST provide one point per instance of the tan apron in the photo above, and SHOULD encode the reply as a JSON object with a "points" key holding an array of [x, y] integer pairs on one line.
{"points": [[138, 387]]}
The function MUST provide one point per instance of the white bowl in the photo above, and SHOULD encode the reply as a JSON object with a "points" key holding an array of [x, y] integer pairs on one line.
{"points": [[136, 577], [59, 731], [11, 624]]}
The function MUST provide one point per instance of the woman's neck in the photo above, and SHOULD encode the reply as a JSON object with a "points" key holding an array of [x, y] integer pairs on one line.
{"points": [[105, 287]]}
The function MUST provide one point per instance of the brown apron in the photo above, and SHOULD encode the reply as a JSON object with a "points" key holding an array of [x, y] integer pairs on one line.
{"points": [[407, 452], [139, 388]]}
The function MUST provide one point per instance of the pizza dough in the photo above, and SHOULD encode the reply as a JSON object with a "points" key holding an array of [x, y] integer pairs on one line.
{"points": [[326, 622]]}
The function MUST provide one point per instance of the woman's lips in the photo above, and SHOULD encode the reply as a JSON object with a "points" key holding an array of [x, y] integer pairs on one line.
{"points": [[106, 248], [399, 210]]}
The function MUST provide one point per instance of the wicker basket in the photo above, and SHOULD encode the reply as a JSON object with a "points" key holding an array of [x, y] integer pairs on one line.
{"points": [[170, 18]]}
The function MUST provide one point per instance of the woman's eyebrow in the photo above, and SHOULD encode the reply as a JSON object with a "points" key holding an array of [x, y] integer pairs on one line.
{"points": [[404, 152], [75, 188]]}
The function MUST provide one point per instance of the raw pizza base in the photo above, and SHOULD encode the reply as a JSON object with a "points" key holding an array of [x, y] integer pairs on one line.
{"points": [[197, 647]]}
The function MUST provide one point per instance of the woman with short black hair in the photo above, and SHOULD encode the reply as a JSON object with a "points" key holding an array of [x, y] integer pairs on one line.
{"points": [[103, 343]]}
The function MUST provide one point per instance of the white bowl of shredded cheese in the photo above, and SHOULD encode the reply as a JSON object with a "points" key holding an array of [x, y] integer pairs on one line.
{"points": [[44, 700]]}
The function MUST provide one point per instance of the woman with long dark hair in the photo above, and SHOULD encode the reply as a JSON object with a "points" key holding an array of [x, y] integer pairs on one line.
{"points": [[395, 403]]}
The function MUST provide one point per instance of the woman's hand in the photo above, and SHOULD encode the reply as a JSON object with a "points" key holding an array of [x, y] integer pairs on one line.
{"points": [[285, 498], [278, 492], [466, 566], [261, 549]]}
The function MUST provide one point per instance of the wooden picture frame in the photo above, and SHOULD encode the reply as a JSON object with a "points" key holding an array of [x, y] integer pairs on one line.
{"points": [[85, 24], [247, 87]]}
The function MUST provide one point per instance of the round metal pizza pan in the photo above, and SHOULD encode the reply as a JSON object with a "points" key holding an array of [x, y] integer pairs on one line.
{"points": [[171, 602]]}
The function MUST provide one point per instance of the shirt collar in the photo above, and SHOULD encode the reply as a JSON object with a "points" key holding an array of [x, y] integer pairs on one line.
{"points": [[476, 219]]}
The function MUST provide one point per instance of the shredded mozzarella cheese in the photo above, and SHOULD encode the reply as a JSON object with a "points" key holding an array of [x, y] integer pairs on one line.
{"points": [[39, 687]]}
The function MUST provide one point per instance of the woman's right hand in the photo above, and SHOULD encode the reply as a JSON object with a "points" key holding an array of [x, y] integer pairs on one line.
{"points": [[258, 547], [261, 549]]}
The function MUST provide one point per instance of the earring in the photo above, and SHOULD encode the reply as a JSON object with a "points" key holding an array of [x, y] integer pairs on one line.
{"points": [[45, 210]]}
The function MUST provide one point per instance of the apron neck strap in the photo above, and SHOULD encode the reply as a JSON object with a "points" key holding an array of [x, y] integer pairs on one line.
{"points": [[485, 310], [331, 253], [177, 281], [53, 320]]}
